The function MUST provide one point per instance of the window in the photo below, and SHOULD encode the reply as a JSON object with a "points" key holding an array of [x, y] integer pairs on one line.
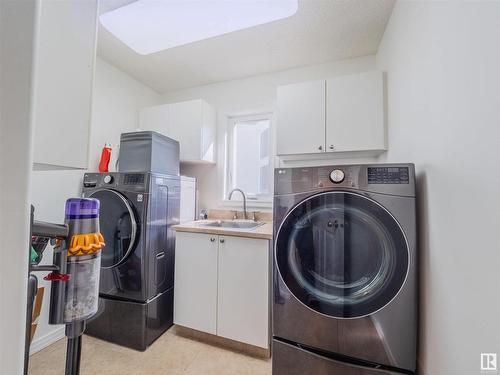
{"points": [[249, 157]]}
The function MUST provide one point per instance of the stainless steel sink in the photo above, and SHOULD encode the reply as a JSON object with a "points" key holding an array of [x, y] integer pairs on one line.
{"points": [[232, 224]]}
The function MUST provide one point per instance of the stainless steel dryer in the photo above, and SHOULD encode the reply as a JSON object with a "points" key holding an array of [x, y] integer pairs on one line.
{"points": [[345, 270], [136, 284]]}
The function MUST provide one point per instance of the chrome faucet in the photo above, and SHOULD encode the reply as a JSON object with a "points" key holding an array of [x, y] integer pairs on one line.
{"points": [[244, 200]]}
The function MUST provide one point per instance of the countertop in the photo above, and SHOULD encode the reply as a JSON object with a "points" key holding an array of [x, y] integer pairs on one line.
{"points": [[264, 231]]}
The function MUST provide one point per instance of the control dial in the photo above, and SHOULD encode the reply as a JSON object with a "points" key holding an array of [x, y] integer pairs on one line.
{"points": [[108, 179], [337, 176]]}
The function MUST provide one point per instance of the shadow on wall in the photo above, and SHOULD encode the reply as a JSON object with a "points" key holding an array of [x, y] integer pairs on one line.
{"points": [[423, 261]]}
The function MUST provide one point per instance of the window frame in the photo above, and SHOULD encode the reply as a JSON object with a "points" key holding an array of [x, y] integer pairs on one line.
{"points": [[263, 200]]}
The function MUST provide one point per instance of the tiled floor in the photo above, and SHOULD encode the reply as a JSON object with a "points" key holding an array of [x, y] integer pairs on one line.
{"points": [[170, 354]]}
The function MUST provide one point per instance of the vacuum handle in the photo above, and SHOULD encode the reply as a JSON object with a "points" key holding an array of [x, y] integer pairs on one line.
{"points": [[43, 268], [43, 229]]}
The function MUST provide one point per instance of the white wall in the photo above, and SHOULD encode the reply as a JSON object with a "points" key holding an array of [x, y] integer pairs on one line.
{"points": [[116, 99], [246, 96], [443, 61], [17, 32]]}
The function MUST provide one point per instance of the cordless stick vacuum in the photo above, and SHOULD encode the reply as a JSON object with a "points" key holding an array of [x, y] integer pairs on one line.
{"points": [[75, 272]]}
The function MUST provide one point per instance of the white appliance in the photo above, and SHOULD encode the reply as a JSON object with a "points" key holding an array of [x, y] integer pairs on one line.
{"points": [[188, 199]]}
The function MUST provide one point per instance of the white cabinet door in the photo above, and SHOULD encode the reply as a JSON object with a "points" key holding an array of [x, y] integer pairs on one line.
{"points": [[301, 118], [243, 293], [195, 288], [63, 75], [191, 123], [186, 119], [355, 112], [155, 118]]}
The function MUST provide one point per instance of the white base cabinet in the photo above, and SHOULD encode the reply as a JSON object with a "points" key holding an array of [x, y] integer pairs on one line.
{"points": [[195, 285], [222, 286], [243, 298]]}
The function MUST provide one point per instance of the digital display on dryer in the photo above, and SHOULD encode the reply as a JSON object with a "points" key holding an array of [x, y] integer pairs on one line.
{"points": [[388, 175]]}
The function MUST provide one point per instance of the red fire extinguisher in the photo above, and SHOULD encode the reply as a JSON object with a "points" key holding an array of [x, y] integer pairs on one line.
{"points": [[105, 158]]}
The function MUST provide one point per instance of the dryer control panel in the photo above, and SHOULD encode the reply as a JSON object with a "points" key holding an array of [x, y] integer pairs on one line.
{"points": [[395, 179]]}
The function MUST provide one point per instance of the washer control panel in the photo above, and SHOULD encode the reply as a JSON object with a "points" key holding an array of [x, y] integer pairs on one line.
{"points": [[388, 175], [133, 179]]}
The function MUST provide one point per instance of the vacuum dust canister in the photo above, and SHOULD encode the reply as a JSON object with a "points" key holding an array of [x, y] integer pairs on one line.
{"points": [[83, 259]]}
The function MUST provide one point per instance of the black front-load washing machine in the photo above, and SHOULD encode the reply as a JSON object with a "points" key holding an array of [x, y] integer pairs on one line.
{"points": [[137, 213]]}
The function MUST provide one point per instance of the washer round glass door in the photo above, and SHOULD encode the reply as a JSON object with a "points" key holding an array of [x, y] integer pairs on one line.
{"points": [[342, 254], [118, 226]]}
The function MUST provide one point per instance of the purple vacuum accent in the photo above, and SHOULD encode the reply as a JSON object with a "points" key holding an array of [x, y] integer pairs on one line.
{"points": [[82, 208]]}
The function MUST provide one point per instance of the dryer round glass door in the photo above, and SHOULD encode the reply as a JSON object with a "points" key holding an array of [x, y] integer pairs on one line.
{"points": [[342, 254], [118, 226]]}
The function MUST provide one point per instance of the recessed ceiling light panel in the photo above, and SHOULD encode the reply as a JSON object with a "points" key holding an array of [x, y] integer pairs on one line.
{"points": [[149, 26]]}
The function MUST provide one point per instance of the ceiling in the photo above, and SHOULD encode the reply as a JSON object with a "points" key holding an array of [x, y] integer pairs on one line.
{"points": [[320, 31]]}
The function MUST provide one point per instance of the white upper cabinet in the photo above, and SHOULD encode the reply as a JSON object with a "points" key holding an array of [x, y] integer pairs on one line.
{"points": [[342, 114], [301, 118], [355, 112], [63, 75], [192, 123], [154, 118]]}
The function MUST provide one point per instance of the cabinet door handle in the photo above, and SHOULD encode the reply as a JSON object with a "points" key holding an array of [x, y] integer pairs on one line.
{"points": [[331, 147], [320, 148], [212, 239], [221, 240]]}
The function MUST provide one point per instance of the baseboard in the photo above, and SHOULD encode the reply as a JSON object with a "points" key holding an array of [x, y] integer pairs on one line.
{"points": [[44, 341], [251, 350]]}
